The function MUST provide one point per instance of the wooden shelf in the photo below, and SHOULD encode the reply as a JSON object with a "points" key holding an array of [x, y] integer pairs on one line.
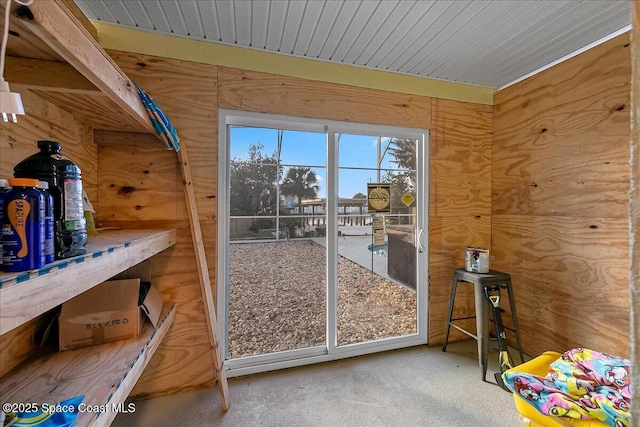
{"points": [[25, 295], [61, 49], [105, 374]]}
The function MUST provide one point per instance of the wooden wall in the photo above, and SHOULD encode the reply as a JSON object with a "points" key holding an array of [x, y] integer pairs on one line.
{"points": [[43, 120], [134, 182], [560, 200], [141, 187], [459, 205], [547, 191], [140, 184]]}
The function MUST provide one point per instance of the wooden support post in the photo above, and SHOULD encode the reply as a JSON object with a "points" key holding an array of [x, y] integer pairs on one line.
{"points": [[203, 273]]}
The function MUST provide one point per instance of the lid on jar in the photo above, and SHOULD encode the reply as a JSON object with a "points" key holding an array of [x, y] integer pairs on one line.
{"points": [[43, 185], [23, 182], [4, 183], [49, 146]]}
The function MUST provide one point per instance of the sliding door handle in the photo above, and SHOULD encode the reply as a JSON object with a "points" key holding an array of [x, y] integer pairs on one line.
{"points": [[421, 248]]}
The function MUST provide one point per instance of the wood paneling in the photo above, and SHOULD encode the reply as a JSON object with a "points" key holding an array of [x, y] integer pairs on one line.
{"points": [[270, 93], [459, 205], [182, 360], [188, 94], [141, 185], [18, 344], [18, 141], [460, 163], [554, 212], [97, 111], [56, 25], [138, 184], [37, 73], [460, 179], [152, 64], [62, 85], [448, 237], [560, 201], [561, 138], [44, 120], [580, 296]]}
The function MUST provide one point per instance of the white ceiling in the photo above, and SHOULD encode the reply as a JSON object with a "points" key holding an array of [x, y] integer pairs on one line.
{"points": [[480, 42]]}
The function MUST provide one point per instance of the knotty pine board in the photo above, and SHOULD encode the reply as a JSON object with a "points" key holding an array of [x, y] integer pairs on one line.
{"points": [[26, 295], [27, 45], [560, 201], [103, 374], [97, 110], [153, 65], [139, 183]]}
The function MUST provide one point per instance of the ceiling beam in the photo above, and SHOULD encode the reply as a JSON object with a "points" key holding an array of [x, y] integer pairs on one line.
{"points": [[81, 17]]}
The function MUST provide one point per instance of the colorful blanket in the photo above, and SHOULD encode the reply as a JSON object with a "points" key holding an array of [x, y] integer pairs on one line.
{"points": [[581, 384]]}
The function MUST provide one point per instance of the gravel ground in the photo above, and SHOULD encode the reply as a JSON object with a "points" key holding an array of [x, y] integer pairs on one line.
{"points": [[277, 300]]}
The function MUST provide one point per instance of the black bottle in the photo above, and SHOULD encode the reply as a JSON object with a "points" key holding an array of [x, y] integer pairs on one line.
{"points": [[65, 185]]}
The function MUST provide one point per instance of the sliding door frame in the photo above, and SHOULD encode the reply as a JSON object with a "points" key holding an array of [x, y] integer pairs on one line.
{"points": [[329, 351]]}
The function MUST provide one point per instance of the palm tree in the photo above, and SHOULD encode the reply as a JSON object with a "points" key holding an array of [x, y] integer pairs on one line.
{"points": [[300, 182], [404, 180], [404, 151]]}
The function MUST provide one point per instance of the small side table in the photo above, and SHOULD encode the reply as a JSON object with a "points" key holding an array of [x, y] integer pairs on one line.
{"points": [[483, 309]]}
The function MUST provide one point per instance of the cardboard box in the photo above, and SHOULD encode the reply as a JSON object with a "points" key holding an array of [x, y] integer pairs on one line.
{"points": [[109, 311]]}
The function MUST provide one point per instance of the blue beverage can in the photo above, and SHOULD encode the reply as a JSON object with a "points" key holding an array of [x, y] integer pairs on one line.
{"points": [[49, 238], [23, 226]]}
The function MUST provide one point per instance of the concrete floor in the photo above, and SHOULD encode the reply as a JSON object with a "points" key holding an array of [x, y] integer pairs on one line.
{"points": [[418, 386]]}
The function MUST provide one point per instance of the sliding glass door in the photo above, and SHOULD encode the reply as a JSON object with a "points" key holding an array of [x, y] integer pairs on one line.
{"points": [[277, 262], [377, 250], [322, 242]]}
